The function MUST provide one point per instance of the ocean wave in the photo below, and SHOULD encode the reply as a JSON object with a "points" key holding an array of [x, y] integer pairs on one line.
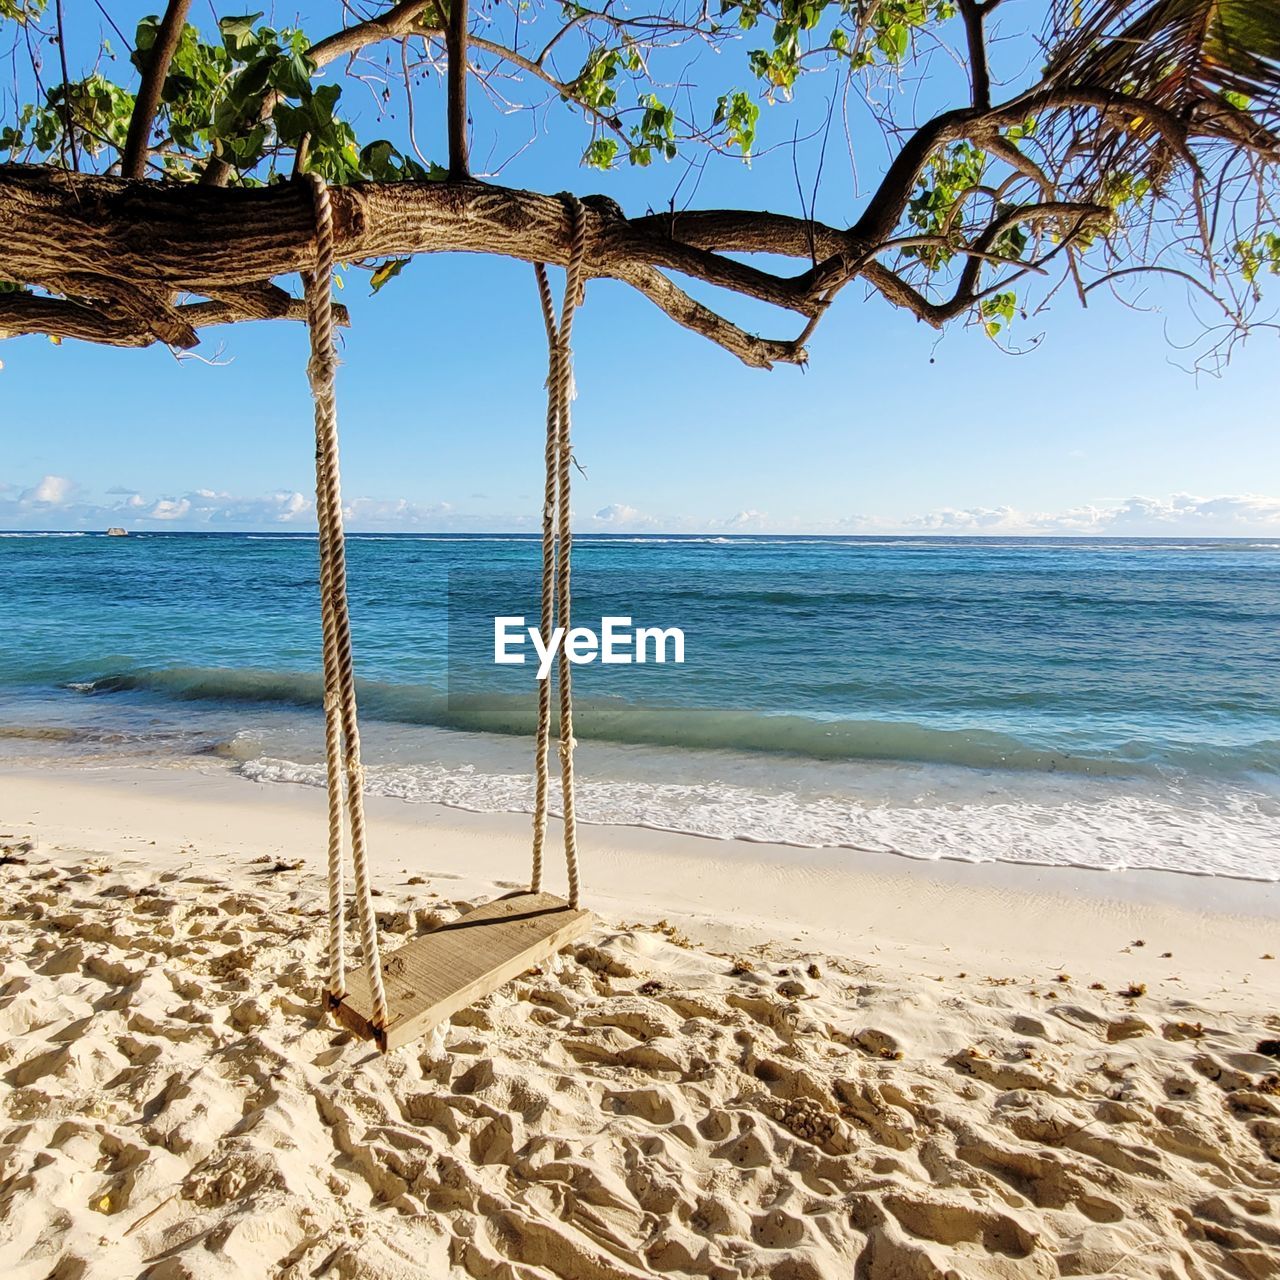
{"points": [[700, 728], [101, 742], [1231, 837], [38, 733]]}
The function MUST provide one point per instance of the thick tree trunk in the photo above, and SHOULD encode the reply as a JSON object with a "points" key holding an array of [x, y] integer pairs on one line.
{"points": [[123, 250]]}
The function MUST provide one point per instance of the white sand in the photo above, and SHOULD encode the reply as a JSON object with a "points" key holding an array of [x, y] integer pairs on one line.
{"points": [[691, 1098]]}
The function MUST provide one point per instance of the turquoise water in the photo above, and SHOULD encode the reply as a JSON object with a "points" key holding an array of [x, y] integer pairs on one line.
{"points": [[1101, 703]]}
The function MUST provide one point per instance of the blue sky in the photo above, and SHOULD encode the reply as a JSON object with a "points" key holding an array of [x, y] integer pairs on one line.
{"points": [[890, 428]]}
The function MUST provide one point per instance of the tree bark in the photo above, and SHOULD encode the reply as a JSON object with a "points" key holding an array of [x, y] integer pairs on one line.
{"points": [[32, 314], [168, 239]]}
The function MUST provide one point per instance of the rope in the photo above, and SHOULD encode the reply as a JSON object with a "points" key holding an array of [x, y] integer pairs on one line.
{"points": [[547, 618], [557, 549], [342, 732]]}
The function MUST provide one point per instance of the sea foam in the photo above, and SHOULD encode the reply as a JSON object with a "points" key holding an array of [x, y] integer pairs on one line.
{"points": [[1232, 834]]}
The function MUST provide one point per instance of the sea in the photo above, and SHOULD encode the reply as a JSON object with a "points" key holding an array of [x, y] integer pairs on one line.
{"points": [[1103, 703]]}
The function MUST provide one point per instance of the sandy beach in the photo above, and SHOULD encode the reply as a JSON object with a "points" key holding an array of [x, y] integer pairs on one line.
{"points": [[764, 1062], [791, 443]]}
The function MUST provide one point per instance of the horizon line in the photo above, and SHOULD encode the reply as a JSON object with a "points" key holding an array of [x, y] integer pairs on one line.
{"points": [[658, 533]]}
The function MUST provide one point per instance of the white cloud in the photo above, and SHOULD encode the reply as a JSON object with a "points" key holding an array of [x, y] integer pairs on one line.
{"points": [[620, 517], [742, 521], [52, 491], [169, 509], [390, 514], [617, 513], [58, 502], [1226, 512], [1179, 515]]}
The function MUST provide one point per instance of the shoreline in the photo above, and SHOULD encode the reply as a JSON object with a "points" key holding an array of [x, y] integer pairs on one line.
{"points": [[832, 851], [943, 916], [905, 809]]}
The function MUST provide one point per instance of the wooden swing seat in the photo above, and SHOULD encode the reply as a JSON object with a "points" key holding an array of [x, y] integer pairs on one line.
{"points": [[429, 979]]}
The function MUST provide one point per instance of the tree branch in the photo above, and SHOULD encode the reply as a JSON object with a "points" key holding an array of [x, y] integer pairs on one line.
{"points": [[759, 353], [28, 313], [24, 313], [216, 311], [979, 73], [903, 294], [456, 42], [399, 20], [258, 300], [885, 207], [732, 231], [1185, 276], [794, 293], [169, 238], [137, 148]]}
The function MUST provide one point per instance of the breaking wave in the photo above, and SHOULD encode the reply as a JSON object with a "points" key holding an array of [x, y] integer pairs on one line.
{"points": [[704, 728]]}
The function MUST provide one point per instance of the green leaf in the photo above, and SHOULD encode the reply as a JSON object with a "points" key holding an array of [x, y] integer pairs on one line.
{"points": [[21, 11], [376, 160], [382, 162], [252, 81], [326, 98], [246, 149], [601, 154], [292, 123], [237, 33], [144, 39], [388, 271], [738, 112], [291, 74]]}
